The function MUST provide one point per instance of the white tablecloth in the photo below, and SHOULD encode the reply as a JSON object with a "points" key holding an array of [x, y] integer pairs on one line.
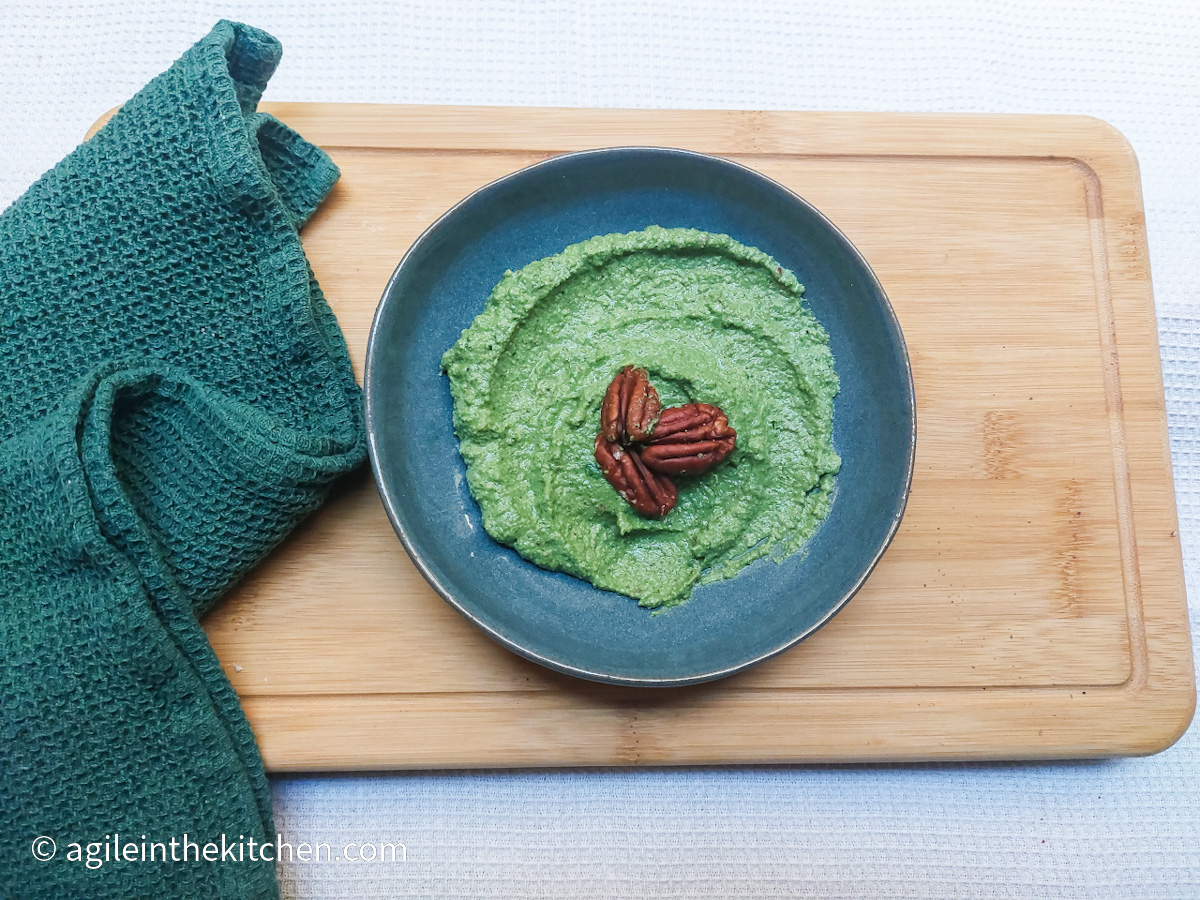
{"points": [[1127, 828]]}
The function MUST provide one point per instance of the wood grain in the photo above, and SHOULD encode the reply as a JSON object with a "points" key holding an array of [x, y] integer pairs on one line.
{"points": [[1032, 604]]}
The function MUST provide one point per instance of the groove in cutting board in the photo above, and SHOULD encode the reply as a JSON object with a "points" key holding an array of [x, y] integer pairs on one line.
{"points": [[1032, 604]]}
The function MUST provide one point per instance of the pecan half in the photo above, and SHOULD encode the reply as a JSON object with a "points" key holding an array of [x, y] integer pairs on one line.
{"points": [[689, 440], [631, 407], [650, 494]]}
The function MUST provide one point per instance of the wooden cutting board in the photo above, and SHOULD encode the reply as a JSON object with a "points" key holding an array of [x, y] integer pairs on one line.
{"points": [[1032, 604]]}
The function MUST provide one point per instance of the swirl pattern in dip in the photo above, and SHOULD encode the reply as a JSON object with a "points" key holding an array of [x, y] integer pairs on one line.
{"points": [[712, 321]]}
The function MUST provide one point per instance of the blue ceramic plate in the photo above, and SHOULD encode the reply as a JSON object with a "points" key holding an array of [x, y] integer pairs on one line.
{"points": [[555, 619]]}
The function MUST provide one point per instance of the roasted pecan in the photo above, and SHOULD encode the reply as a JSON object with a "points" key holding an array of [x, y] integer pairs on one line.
{"points": [[650, 494], [631, 407], [689, 440]]}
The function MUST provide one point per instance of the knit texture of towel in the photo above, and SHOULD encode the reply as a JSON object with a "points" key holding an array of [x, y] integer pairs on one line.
{"points": [[175, 396]]}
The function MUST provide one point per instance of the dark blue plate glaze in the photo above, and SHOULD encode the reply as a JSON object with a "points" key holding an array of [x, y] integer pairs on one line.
{"points": [[555, 619]]}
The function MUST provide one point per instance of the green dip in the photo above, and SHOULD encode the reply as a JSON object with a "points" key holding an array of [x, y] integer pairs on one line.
{"points": [[712, 321]]}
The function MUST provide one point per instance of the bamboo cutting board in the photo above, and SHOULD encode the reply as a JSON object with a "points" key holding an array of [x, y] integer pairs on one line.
{"points": [[1032, 604]]}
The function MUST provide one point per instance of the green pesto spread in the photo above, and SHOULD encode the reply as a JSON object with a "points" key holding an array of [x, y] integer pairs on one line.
{"points": [[712, 321]]}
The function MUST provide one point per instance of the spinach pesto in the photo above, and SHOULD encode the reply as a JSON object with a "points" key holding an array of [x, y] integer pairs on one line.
{"points": [[712, 321]]}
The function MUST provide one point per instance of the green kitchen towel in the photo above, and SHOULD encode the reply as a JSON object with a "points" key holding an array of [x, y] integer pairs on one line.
{"points": [[175, 396]]}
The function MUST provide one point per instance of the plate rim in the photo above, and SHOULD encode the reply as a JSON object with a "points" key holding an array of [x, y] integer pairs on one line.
{"points": [[370, 415]]}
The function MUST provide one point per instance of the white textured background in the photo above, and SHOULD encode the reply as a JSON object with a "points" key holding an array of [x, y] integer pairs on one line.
{"points": [[1116, 829]]}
